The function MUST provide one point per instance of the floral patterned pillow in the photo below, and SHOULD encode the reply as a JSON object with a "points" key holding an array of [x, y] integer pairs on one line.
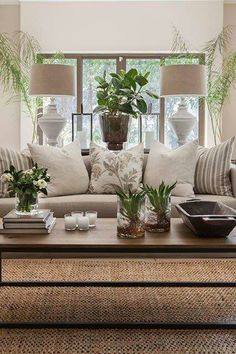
{"points": [[109, 169]]}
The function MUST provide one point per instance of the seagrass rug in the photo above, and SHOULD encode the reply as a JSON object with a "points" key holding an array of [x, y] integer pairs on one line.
{"points": [[118, 304]]}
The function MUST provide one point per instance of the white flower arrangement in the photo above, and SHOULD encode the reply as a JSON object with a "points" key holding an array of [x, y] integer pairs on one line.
{"points": [[41, 183], [29, 181], [6, 177]]}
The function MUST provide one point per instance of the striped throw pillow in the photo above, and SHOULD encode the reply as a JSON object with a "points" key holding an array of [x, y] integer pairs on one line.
{"points": [[212, 174], [21, 161]]}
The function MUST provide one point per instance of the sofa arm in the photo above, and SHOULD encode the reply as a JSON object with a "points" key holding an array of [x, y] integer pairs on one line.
{"points": [[233, 178]]}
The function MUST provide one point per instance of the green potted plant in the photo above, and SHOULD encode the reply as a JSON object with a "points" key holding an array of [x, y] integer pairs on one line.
{"points": [[130, 214], [26, 185], [118, 99], [158, 207]]}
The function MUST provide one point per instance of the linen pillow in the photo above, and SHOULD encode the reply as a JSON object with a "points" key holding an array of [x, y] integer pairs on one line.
{"points": [[65, 166], [170, 166], [212, 175], [123, 168], [9, 157]]}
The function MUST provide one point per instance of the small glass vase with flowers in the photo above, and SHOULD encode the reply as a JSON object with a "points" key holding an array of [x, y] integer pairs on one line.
{"points": [[26, 185]]}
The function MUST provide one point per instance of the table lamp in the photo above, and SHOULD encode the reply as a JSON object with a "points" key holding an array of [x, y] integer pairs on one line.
{"points": [[183, 81], [52, 80]]}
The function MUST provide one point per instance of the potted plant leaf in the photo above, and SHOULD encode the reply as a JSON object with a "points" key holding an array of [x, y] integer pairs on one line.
{"points": [[158, 207], [118, 100], [130, 214]]}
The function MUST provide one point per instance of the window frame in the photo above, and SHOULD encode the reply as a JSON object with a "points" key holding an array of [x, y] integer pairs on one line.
{"points": [[121, 59]]}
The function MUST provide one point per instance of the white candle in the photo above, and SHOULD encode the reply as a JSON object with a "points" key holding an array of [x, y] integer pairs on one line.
{"points": [[149, 139], [82, 137], [70, 222], [92, 215], [83, 223], [77, 214]]}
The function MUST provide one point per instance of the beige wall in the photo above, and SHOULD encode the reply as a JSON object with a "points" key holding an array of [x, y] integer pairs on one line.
{"points": [[120, 26], [229, 116], [9, 114], [140, 26]]}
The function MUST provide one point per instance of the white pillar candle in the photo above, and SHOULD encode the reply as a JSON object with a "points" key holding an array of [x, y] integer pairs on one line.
{"points": [[149, 139], [77, 214], [70, 222], [83, 223], [92, 215]]}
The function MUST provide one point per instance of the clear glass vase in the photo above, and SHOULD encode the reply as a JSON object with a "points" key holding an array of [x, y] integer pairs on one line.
{"points": [[157, 220], [26, 203], [133, 226]]}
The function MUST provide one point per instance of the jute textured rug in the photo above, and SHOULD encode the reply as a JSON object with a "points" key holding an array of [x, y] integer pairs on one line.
{"points": [[125, 304]]}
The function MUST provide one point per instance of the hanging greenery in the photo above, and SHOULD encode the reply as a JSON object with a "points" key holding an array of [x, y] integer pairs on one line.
{"points": [[221, 73]]}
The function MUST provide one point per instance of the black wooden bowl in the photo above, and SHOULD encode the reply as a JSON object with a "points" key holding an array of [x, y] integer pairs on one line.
{"points": [[208, 219]]}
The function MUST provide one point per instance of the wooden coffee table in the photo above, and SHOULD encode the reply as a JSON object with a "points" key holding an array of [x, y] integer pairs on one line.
{"points": [[103, 239]]}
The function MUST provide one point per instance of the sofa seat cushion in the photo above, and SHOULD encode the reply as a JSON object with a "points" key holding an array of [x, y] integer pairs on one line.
{"points": [[105, 204]]}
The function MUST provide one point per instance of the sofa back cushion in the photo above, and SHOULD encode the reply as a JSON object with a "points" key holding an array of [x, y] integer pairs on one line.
{"points": [[65, 166], [88, 166], [109, 169], [172, 166], [212, 175]]}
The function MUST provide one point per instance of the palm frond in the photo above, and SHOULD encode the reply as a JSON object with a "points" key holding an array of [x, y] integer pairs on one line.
{"points": [[17, 54], [221, 73]]}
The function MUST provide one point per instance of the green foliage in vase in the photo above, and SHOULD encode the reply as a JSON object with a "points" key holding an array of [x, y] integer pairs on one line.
{"points": [[221, 73], [159, 197], [123, 93], [130, 204], [29, 182]]}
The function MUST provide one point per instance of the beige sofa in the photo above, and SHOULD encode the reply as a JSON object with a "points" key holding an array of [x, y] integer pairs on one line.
{"points": [[106, 204]]}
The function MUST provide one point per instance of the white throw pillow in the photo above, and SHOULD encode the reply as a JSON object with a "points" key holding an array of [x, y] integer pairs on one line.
{"points": [[65, 166], [123, 168], [170, 166]]}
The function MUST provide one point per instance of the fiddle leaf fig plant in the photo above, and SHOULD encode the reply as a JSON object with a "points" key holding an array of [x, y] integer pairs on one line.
{"points": [[123, 93]]}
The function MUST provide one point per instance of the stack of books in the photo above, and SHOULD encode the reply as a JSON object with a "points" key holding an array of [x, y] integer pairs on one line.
{"points": [[41, 223]]}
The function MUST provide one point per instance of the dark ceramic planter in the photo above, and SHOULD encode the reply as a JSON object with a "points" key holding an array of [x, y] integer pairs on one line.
{"points": [[114, 130]]}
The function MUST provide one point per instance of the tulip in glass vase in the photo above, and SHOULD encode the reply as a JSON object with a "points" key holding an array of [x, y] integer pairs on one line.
{"points": [[26, 185], [130, 214], [158, 207]]}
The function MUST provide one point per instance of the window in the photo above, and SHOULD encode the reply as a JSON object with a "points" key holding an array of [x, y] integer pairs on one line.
{"points": [[155, 122], [92, 68]]}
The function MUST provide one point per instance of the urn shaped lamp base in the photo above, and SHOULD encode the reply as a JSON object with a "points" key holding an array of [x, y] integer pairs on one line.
{"points": [[52, 123], [182, 122]]}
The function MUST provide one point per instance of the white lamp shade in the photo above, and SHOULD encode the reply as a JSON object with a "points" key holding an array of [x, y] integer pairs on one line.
{"points": [[183, 80], [52, 80]]}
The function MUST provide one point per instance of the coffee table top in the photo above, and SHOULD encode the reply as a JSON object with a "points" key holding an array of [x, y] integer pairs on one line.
{"points": [[103, 238]]}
